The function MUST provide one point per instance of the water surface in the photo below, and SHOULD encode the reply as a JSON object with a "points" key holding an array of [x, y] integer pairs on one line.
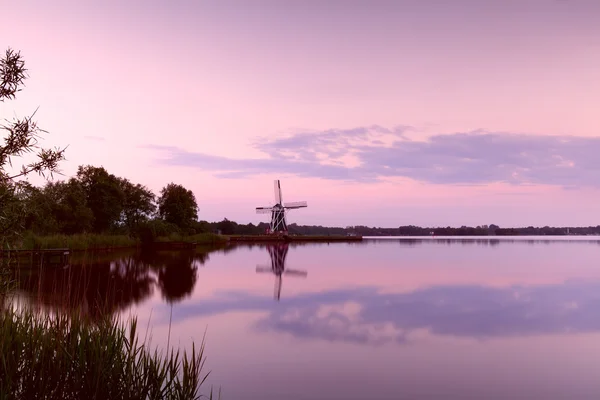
{"points": [[417, 318]]}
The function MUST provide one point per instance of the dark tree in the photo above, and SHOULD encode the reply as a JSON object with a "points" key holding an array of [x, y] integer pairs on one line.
{"points": [[227, 227], [69, 207], [138, 204], [104, 196], [177, 205]]}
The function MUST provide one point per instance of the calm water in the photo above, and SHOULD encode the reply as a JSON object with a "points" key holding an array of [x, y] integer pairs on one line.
{"points": [[382, 319]]}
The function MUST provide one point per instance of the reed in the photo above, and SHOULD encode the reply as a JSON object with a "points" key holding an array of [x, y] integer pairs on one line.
{"points": [[45, 356], [87, 241]]}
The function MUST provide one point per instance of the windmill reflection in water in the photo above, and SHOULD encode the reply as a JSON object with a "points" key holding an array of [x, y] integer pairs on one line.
{"points": [[278, 253]]}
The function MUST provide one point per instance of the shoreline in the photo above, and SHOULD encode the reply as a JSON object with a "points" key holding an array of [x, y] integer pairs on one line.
{"points": [[292, 238], [110, 243], [104, 243]]}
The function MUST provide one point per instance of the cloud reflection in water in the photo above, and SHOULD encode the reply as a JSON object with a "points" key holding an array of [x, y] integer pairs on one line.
{"points": [[364, 315]]}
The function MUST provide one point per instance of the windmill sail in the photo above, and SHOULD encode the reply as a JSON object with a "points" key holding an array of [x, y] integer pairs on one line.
{"points": [[264, 210], [296, 204], [278, 199]]}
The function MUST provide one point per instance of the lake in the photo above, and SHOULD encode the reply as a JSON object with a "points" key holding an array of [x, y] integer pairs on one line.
{"points": [[416, 318]]}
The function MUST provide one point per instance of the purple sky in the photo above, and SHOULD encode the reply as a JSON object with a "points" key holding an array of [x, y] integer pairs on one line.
{"points": [[375, 112]]}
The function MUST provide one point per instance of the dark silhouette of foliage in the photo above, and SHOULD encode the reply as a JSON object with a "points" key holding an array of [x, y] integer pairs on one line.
{"points": [[21, 134], [226, 227], [138, 204], [104, 195], [177, 205], [177, 272], [21, 138]]}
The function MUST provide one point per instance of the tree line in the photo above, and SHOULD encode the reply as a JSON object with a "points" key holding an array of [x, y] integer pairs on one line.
{"points": [[96, 201], [232, 228]]}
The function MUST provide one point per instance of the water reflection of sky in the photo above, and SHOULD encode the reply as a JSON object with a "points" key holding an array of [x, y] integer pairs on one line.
{"points": [[383, 320], [388, 321], [363, 315]]}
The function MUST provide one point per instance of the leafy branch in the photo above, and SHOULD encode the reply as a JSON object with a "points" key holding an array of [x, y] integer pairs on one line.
{"points": [[22, 137]]}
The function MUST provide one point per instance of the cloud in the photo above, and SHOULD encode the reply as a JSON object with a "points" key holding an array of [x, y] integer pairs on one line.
{"points": [[371, 154], [366, 316]]}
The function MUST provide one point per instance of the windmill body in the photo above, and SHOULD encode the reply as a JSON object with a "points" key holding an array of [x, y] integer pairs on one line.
{"points": [[278, 211]]}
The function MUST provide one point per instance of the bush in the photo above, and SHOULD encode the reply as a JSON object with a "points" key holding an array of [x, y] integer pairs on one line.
{"points": [[149, 231]]}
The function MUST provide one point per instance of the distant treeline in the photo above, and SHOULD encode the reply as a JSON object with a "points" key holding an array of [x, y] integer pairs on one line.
{"points": [[232, 228]]}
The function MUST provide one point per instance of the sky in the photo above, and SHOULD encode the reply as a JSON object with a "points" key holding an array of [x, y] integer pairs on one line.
{"points": [[379, 113]]}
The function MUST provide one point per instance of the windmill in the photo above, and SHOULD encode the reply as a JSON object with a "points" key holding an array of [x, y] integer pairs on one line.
{"points": [[278, 224], [278, 253]]}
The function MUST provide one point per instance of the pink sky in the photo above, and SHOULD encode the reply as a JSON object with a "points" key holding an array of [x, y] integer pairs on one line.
{"points": [[199, 93]]}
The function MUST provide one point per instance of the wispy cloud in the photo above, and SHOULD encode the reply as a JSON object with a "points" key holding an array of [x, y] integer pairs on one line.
{"points": [[370, 154]]}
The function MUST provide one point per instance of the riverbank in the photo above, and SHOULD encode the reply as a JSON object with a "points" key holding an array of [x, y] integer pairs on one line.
{"points": [[99, 243], [94, 242], [292, 238]]}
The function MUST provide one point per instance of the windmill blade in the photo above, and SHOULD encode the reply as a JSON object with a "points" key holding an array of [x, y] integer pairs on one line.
{"points": [[295, 272], [278, 198], [264, 210], [262, 268], [296, 204]]}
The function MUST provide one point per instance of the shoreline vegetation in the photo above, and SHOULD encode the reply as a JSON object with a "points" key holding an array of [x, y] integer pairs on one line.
{"points": [[91, 242], [110, 242], [297, 233], [95, 242], [102, 360]]}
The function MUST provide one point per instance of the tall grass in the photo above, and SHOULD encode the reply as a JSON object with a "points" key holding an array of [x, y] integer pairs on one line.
{"points": [[85, 241], [90, 241], [67, 357]]}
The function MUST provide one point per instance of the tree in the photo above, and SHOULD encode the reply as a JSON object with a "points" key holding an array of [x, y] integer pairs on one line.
{"points": [[177, 205], [202, 227], [21, 138], [68, 202], [39, 215], [138, 204], [104, 196], [227, 227]]}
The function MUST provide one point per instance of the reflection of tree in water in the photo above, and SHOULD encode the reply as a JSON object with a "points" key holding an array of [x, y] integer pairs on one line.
{"points": [[177, 272], [96, 288], [101, 288]]}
